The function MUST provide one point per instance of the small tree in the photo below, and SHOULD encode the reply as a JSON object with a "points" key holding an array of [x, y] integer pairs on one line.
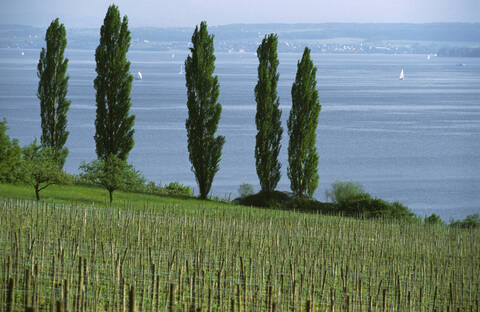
{"points": [[205, 150], [267, 119], [245, 190], [113, 124], [10, 156], [434, 219], [342, 192], [52, 91], [302, 125], [41, 168], [111, 174]]}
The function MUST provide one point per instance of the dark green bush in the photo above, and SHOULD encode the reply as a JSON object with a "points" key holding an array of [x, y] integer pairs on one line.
{"points": [[273, 199], [366, 206], [434, 219], [310, 205], [10, 156], [470, 222]]}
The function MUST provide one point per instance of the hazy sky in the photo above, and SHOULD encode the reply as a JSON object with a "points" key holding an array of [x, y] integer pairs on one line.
{"points": [[161, 13]]}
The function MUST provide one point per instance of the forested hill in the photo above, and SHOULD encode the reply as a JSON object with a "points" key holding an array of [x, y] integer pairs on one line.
{"points": [[451, 38]]}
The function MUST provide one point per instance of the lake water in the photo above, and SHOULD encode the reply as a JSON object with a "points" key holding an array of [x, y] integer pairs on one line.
{"points": [[416, 141]]}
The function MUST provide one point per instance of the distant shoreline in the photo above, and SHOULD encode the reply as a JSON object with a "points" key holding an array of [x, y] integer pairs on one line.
{"points": [[444, 39]]}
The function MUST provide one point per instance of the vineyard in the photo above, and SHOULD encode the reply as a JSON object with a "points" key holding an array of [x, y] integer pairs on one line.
{"points": [[58, 257]]}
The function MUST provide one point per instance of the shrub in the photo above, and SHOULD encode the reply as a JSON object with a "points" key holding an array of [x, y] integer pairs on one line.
{"points": [[342, 192], [351, 200], [273, 199], [10, 156], [178, 189], [434, 219], [305, 204], [369, 207], [171, 189], [470, 222], [245, 190]]}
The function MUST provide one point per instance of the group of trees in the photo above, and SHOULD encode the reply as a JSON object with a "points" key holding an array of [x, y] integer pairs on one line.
{"points": [[302, 123], [204, 114], [42, 164]]}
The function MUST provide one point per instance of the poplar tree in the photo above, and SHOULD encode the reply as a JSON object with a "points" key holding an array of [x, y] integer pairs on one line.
{"points": [[114, 124], [205, 150], [302, 126], [52, 91], [268, 115]]}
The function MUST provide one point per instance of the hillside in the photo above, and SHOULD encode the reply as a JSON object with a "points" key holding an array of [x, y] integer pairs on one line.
{"points": [[174, 254]]}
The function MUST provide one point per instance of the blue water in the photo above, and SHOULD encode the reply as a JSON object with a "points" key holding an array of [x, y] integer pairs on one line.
{"points": [[416, 141]]}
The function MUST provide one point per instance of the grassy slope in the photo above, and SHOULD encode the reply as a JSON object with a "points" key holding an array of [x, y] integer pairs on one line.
{"points": [[88, 195], [308, 255], [314, 255]]}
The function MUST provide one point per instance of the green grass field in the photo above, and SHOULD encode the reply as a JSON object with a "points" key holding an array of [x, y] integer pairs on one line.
{"points": [[190, 255], [98, 197]]}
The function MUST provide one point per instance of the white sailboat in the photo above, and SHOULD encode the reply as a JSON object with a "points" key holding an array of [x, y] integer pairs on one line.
{"points": [[181, 70], [402, 75], [139, 76]]}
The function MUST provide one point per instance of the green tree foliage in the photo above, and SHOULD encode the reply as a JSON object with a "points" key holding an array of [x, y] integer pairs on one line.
{"points": [[112, 173], [205, 150], [40, 167], [342, 192], [268, 115], [10, 156], [302, 126], [470, 222], [434, 219], [245, 190], [52, 91], [114, 124]]}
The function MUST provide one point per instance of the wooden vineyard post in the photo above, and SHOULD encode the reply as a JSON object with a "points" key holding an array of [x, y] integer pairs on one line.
{"points": [[171, 306], [131, 300], [11, 295], [384, 300], [60, 306]]}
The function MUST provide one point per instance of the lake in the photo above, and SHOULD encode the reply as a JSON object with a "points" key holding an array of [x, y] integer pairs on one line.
{"points": [[416, 140]]}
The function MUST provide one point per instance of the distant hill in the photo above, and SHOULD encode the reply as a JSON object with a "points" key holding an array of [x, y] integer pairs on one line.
{"points": [[327, 37]]}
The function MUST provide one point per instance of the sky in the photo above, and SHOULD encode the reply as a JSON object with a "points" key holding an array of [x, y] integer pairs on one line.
{"points": [[179, 13]]}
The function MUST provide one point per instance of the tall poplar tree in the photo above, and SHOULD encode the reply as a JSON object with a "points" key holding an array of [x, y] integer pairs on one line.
{"points": [[302, 126], [114, 124], [205, 150], [268, 115], [52, 91]]}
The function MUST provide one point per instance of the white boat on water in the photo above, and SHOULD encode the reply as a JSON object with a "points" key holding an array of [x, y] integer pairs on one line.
{"points": [[139, 76], [402, 75], [181, 70]]}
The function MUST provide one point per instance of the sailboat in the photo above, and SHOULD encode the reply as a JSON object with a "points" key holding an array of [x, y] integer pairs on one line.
{"points": [[402, 75], [139, 76], [181, 70]]}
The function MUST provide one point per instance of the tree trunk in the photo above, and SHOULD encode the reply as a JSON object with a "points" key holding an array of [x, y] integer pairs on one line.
{"points": [[37, 193], [111, 197]]}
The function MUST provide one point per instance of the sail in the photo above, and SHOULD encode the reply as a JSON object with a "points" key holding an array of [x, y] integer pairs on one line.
{"points": [[139, 76], [402, 75]]}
